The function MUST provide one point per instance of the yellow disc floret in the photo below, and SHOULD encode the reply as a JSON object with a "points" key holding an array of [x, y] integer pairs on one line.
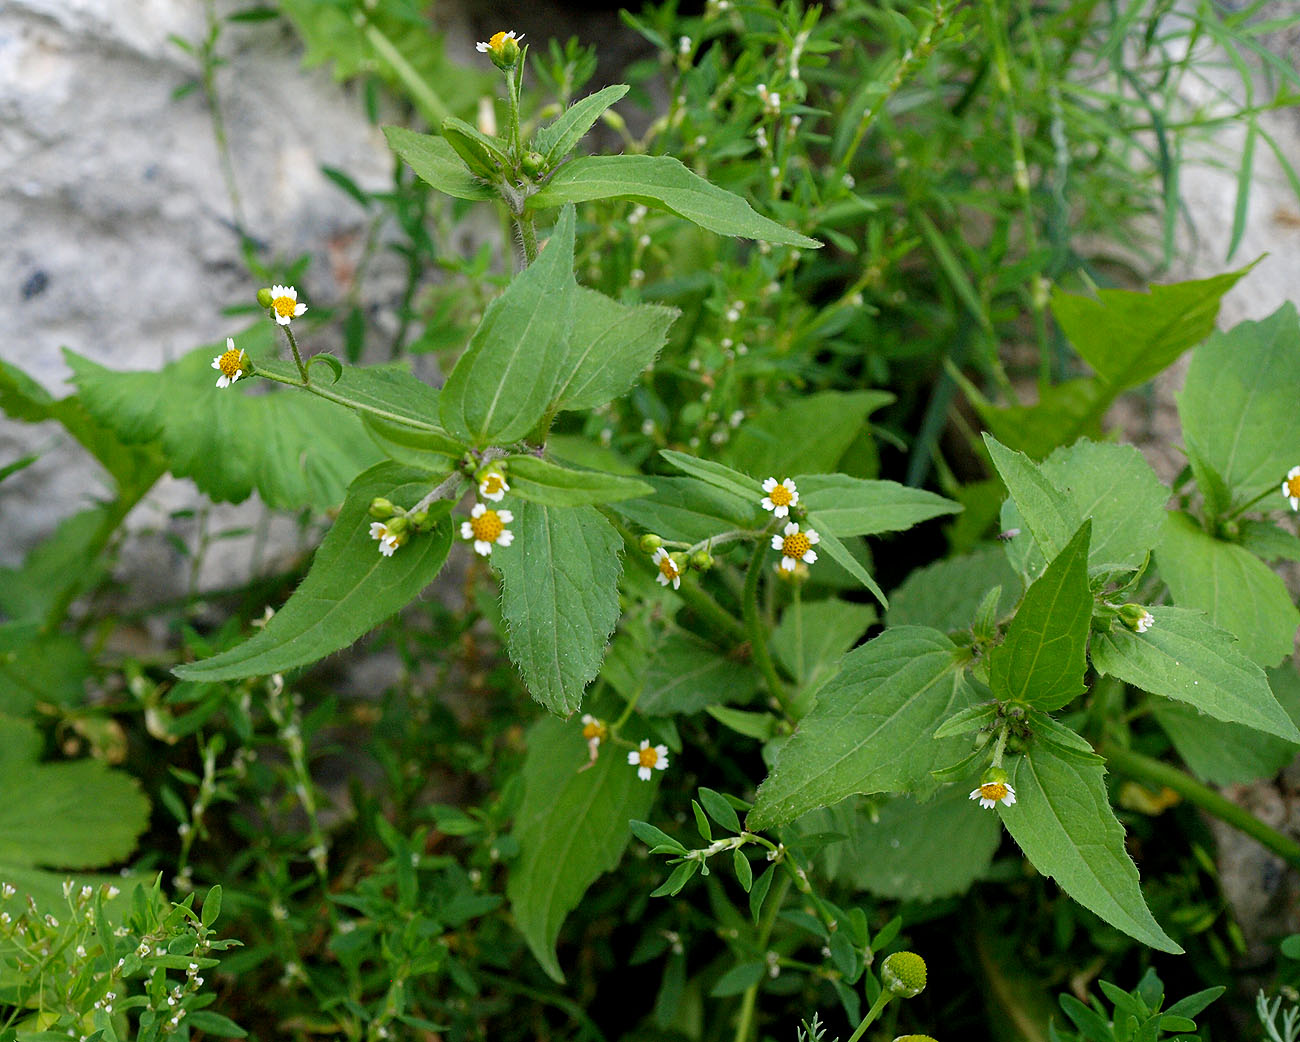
{"points": [[993, 791], [795, 545], [231, 363], [593, 728], [488, 526], [780, 495], [648, 756]]}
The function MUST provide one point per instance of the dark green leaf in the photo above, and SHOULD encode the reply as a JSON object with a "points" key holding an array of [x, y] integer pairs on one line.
{"points": [[828, 423], [436, 162], [553, 485], [850, 506], [557, 139]]}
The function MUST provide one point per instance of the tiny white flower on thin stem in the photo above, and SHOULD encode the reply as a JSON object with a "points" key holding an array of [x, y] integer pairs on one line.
{"points": [[492, 485], [795, 546], [1145, 622], [1291, 487], [487, 527], [232, 363], [780, 496], [389, 540], [668, 570], [594, 732], [285, 306], [648, 758], [991, 793]]}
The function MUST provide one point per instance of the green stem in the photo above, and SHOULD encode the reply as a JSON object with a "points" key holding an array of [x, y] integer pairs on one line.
{"points": [[754, 627], [432, 107], [527, 237], [1271, 490], [1145, 769], [297, 357], [882, 1000], [513, 81], [748, 1002]]}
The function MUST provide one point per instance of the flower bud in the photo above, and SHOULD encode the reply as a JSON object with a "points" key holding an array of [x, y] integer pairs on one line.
{"points": [[1136, 617], [650, 543], [398, 525], [701, 560], [381, 508], [503, 50], [903, 973], [533, 163], [264, 297], [419, 520]]}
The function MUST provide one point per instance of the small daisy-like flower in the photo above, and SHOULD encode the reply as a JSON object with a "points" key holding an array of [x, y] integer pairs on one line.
{"points": [[1145, 623], [493, 486], [796, 546], [486, 527], [1136, 617], [594, 732], [668, 570], [389, 540], [648, 758], [232, 362], [1291, 487], [503, 49], [284, 304], [994, 789], [780, 497]]}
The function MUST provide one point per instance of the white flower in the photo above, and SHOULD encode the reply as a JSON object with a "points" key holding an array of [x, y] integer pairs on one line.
{"points": [[389, 540], [668, 570], [594, 732], [493, 486], [648, 758], [992, 793], [496, 45], [1291, 487], [780, 497], [231, 362], [284, 304], [487, 527], [795, 546], [1145, 622]]}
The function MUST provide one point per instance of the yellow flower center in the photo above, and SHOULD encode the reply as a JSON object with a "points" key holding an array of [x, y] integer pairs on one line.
{"points": [[487, 526], [231, 363], [993, 790], [284, 306], [668, 568], [780, 496], [649, 756], [795, 545], [595, 729], [1293, 486], [492, 484]]}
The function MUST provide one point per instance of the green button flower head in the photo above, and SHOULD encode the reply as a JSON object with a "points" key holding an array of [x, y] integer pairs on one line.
{"points": [[903, 973], [994, 789], [502, 49]]}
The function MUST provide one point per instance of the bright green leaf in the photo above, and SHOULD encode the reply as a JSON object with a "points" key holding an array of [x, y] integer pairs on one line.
{"points": [[350, 589], [559, 598], [839, 553], [662, 181], [557, 139], [553, 485], [1063, 822], [686, 674], [1041, 660], [436, 162], [687, 509], [872, 727], [850, 506], [572, 827], [946, 594], [814, 635], [718, 475], [1186, 658], [808, 434]]}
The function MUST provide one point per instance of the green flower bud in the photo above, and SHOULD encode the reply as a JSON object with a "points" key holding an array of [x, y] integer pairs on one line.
{"points": [[381, 508], [398, 525], [419, 520], [701, 560], [533, 163], [1136, 617], [650, 543], [264, 297], [903, 973]]}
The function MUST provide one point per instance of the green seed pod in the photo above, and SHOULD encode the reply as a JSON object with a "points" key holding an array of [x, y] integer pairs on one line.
{"points": [[650, 543], [381, 508], [264, 297], [903, 973], [533, 163], [701, 560]]}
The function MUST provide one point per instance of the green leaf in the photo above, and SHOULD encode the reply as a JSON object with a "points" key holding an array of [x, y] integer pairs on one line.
{"points": [[1238, 404], [1044, 509], [553, 485], [686, 675], [572, 827], [293, 448], [559, 598], [720, 810], [1062, 413], [74, 814], [1186, 658], [1110, 484], [557, 139], [738, 979], [65, 559], [850, 506], [436, 162], [211, 1023], [742, 486], [1042, 659], [49, 670], [1231, 585], [1129, 336], [504, 383], [1230, 754], [946, 594], [350, 589], [433, 451], [687, 509], [904, 850], [609, 347], [662, 181], [1269, 542], [211, 906], [805, 435], [872, 727], [484, 155], [839, 553], [813, 636], [1063, 822]]}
